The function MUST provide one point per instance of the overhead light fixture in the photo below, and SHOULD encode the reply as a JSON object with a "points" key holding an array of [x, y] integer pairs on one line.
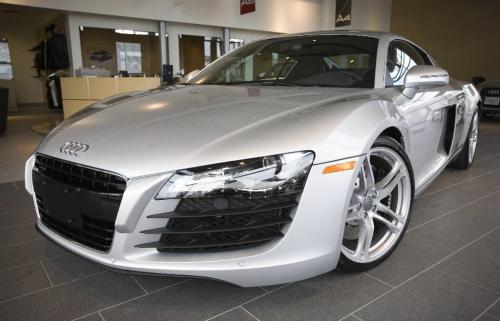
{"points": [[124, 31], [141, 33], [81, 28]]}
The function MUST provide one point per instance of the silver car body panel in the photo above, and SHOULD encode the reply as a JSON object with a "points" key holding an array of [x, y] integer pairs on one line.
{"points": [[146, 136]]}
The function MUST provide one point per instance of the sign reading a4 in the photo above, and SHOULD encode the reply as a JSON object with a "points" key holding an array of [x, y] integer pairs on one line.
{"points": [[343, 13]]}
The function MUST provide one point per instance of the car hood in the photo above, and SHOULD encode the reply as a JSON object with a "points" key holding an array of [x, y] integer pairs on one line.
{"points": [[185, 126]]}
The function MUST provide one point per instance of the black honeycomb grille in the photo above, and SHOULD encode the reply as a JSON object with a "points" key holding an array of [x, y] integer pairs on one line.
{"points": [[223, 223], [80, 176], [78, 202]]}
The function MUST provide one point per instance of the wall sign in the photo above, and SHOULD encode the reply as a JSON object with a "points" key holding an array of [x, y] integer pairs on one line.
{"points": [[343, 13], [247, 6]]}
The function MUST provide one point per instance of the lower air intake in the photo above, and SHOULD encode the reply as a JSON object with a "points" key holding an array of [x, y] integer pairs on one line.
{"points": [[211, 224]]}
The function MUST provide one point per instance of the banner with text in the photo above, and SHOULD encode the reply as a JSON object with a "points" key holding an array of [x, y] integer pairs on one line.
{"points": [[247, 6], [343, 13]]}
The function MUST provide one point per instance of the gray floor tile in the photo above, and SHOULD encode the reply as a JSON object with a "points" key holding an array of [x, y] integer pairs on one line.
{"points": [[479, 168], [20, 234], [92, 317], [488, 317], [466, 224], [22, 280], [430, 296], [194, 300], [10, 220], [270, 288], [415, 253], [7, 187], [153, 283], [235, 315], [20, 185], [352, 318], [13, 195], [19, 141], [327, 297], [432, 206], [479, 263], [28, 252], [71, 300], [495, 310], [68, 268], [17, 206]]}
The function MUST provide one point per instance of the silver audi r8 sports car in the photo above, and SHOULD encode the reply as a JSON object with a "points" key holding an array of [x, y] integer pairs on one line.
{"points": [[282, 160]]}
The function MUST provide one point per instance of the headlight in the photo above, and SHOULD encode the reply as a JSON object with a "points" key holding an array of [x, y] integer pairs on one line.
{"points": [[256, 176]]}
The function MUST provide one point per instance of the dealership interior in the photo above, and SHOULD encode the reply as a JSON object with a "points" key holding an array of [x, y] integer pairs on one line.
{"points": [[59, 57]]}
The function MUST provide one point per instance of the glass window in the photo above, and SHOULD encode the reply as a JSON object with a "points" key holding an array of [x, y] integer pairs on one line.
{"points": [[5, 62], [401, 57], [213, 49], [330, 61], [235, 43], [129, 57]]}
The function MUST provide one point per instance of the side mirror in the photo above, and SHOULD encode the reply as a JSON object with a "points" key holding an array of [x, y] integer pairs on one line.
{"points": [[191, 75], [426, 77]]}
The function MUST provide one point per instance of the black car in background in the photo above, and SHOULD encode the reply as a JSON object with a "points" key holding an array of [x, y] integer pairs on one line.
{"points": [[490, 96]]}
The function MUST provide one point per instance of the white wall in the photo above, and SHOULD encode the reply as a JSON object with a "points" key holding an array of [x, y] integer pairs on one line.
{"points": [[249, 35], [208, 17], [365, 15], [271, 15]]}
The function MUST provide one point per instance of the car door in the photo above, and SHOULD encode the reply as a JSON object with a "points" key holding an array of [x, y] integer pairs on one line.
{"points": [[429, 115]]}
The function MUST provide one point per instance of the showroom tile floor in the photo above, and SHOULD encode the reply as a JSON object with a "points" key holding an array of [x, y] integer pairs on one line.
{"points": [[446, 268], [19, 141]]}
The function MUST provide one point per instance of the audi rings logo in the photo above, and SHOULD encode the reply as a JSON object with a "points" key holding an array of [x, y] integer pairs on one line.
{"points": [[74, 149]]}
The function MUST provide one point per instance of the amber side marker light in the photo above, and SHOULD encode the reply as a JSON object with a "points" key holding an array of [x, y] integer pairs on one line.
{"points": [[339, 167]]}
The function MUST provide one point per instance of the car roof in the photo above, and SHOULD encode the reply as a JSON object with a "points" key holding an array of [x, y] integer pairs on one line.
{"points": [[365, 33]]}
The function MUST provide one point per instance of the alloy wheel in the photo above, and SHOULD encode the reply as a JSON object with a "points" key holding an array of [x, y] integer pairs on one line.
{"points": [[379, 206]]}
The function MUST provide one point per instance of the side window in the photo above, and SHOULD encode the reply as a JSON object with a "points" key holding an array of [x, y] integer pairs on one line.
{"points": [[401, 57]]}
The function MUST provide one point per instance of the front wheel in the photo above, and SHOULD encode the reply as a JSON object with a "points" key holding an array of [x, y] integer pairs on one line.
{"points": [[380, 206]]}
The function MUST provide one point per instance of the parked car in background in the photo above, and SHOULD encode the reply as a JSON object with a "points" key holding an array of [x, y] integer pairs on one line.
{"points": [[490, 96]]}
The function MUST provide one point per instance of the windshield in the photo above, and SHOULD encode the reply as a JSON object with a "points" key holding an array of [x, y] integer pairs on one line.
{"points": [[329, 61]]}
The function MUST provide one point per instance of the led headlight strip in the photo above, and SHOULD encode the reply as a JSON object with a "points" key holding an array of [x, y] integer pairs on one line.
{"points": [[262, 175]]}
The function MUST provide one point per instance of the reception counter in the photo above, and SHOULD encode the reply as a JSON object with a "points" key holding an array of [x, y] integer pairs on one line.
{"points": [[78, 93]]}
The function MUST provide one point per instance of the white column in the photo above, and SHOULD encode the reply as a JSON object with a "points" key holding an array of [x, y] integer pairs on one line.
{"points": [[163, 43], [227, 36], [74, 44]]}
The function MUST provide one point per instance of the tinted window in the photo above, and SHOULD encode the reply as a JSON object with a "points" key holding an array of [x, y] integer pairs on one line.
{"points": [[331, 61], [401, 57]]}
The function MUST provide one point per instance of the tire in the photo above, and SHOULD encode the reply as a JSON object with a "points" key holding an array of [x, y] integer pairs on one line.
{"points": [[389, 197], [465, 159]]}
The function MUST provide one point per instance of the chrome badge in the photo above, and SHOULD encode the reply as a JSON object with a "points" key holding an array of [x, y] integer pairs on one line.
{"points": [[74, 149]]}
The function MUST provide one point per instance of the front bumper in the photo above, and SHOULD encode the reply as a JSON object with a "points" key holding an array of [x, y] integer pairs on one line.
{"points": [[311, 245], [495, 110]]}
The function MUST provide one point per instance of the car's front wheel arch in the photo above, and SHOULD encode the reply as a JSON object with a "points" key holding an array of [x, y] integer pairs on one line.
{"points": [[351, 259]]}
